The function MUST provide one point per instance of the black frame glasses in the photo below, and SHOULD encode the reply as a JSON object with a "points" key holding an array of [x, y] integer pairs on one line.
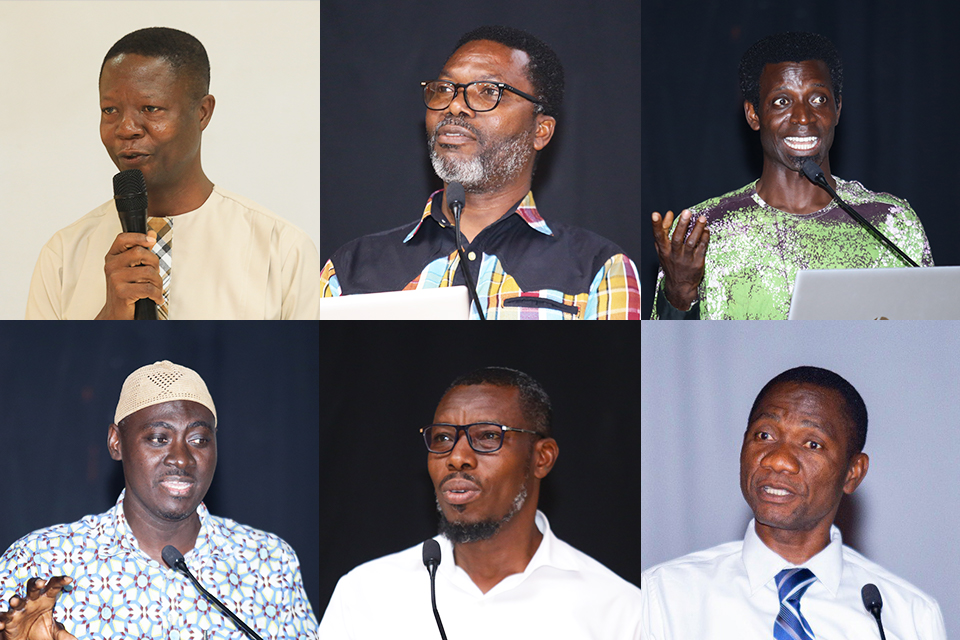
{"points": [[466, 93], [426, 433]]}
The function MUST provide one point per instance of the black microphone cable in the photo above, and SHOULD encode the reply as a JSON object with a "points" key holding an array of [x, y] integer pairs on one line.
{"points": [[455, 200], [431, 560]]}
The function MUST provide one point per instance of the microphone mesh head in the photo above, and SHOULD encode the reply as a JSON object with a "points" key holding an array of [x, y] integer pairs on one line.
{"points": [[812, 170], [130, 191], [871, 596], [171, 555], [431, 552], [455, 193]]}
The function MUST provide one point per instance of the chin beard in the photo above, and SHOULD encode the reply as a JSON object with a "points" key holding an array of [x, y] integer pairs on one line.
{"points": [[463, 532], [798, 161], [497, 161]]}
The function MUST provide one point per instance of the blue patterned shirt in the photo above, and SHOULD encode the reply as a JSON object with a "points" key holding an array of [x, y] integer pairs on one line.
{"points": [[120, 592]]}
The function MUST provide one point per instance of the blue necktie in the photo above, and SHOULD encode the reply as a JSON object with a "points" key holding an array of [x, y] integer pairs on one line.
{"points": [[790, 624]]}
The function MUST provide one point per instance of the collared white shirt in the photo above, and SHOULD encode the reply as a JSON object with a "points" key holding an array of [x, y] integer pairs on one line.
{"points": [[563, 594], [729, 592]]}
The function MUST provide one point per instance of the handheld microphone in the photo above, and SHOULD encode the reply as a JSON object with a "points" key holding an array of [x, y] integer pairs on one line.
{"points": [[455, 200], [130, 195], [431, 560], [175, 560], [873, 604], [815, 175]]}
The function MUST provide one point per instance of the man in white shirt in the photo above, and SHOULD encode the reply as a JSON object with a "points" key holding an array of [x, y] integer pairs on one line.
{"points": [[503, 573], [223, 256], [791, 576]]}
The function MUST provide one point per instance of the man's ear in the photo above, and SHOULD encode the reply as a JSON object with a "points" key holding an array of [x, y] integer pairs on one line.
{"points": [[753, 118], [544, 131], [113, 442], [545, 455]]}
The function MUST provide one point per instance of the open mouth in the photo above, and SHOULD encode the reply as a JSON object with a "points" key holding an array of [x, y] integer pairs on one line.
{"points": [[805, 143], [177, 488]]}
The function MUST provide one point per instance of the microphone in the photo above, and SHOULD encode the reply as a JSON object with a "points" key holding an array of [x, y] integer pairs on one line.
{"points": [[174, 559], [431, 560], [130, 195], [455, 199], [815, 175], [873, 603]]}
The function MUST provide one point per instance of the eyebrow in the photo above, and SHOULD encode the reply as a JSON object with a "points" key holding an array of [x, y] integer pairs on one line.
{"points": [[167, 425], [819, 85], [445, 74], [807, 423]]}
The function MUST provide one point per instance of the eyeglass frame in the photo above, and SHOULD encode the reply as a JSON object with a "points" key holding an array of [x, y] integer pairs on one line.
{"points": [[464, 428], [456, 90]]}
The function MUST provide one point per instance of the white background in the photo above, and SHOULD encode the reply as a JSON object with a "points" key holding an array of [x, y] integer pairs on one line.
{"points": [[699, 381], [263, 141]]}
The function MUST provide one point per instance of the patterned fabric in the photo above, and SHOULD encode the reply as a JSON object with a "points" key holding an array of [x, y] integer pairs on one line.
{"points": [[164, 250], [516, 278], [121, 593], [790, 623], [755, 250]]}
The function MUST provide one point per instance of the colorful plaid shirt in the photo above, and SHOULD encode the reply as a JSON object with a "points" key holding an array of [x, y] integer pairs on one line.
{"points": [[121, 593], [524, 268]]}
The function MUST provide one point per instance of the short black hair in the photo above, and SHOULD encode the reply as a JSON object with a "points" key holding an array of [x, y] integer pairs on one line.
{"points": [[791, 46], [544, 70], [853, 402], [534, 401], [184, 53]]}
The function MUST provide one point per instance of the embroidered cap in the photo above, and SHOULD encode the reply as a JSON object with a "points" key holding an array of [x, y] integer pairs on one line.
{"points": [[161, 382]]}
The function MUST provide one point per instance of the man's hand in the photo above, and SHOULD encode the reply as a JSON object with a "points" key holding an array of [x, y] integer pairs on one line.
{"points": [[31, 618], [682, 262], [133, 273]]}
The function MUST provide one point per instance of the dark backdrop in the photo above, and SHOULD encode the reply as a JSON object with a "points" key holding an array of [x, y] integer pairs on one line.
{"points": [[382, 382], [59, 385], [897, 131], [375, 173]]}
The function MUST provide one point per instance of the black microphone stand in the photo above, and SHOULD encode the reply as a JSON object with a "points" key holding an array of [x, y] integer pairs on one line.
{"points": [[456, 207]]}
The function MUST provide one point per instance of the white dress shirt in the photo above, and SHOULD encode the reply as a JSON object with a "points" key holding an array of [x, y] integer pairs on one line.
{"points": [[563, 594], [729, 592]]}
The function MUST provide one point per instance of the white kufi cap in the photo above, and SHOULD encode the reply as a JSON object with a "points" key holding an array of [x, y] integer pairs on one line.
{"points": [[161, 382]]}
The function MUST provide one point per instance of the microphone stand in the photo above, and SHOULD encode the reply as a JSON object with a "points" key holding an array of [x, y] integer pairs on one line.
{"points": [[456, 207], [815, 174]]}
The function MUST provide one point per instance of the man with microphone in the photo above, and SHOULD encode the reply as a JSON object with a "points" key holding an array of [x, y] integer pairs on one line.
{"points": [[791, 577], [209, 253], [490, 113], [503, 573], [105, 577], [736, 256]]}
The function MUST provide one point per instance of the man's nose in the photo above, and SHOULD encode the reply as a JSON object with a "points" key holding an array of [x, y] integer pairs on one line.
{"points": [[462, 455], [130, 125], [782, 459], [459, 103]]}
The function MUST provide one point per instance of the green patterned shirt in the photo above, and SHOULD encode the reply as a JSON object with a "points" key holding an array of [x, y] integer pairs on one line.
{"points": [[755, 251]]}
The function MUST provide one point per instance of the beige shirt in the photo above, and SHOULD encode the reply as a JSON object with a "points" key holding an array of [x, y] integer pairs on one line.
{"points": [[232, 260]]}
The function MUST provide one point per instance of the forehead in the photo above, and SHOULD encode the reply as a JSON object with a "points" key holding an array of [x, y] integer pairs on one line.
{"points": [[795, 75], [479, 402], [177, 413], [804, 401], [129, 70], [488, 60]]}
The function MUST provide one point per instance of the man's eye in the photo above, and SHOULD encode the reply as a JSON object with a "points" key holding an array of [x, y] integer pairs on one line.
{"points": [[489, 90], [157, 439], [199, 440], [151, 109], [820, 100], [108, 110], [815, 445], [780, 102], [444, 88], [763, 435]]}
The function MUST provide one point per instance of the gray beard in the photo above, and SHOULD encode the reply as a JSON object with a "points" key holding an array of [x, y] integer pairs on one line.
{"points": [[463, 532], [497, 162]]}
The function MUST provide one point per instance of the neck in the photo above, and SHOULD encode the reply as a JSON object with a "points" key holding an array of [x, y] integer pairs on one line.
{"points": [[795, 546], [181, 197], [790, 191], [487, 562], [483, 209], [154, 533]]}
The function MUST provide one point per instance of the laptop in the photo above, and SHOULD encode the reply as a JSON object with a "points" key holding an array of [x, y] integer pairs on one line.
{"points": [[931, 293], [443, 303]]}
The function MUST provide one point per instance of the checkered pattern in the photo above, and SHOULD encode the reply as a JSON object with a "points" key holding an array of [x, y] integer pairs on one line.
{"points": [[614, 293], [790, 623], [164, 250], [121, 593]]}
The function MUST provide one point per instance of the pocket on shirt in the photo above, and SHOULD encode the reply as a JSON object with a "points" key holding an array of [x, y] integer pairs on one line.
{"points": [[542, 305]]}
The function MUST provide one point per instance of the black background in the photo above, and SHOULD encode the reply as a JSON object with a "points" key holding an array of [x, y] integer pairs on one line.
{"points": [[898, 127], [59, 385], [375, 173], [381, 382]]}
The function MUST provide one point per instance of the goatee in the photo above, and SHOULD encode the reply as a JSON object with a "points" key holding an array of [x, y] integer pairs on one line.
{"points": [[496, 162], [463, 532]]}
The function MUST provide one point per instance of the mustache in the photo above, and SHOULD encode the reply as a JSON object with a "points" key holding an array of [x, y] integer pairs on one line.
{"points": [[458, 121], [460, 475]]}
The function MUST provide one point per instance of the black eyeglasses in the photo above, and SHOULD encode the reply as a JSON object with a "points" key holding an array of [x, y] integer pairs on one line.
{"points": [[479, 96], [483, 437]]}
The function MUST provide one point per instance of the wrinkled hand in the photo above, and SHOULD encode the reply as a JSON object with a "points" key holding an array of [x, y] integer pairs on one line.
{"points": [[682, 261], [133, 273], [31, 618]]}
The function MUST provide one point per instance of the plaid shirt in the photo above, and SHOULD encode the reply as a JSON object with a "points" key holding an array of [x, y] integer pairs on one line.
{"points": [[524, 268], [120, 592]]}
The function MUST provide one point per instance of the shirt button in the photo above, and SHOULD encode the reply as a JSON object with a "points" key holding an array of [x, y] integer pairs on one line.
{"points": [[472, 256], [174, 635]]}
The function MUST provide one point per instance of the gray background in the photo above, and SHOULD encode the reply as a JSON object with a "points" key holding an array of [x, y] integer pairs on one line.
{"points": [[699, 383]]}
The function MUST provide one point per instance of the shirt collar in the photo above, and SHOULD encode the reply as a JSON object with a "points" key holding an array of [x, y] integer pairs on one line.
{"points": [[763, 563], [213, 540], [527, 210]]}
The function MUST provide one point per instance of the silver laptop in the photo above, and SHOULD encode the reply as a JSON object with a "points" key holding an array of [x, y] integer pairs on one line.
{"points": [[443, 303], [931, 293]]}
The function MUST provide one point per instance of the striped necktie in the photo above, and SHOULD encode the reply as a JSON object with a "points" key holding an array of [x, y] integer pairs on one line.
{"points": [[164, 250], [790, 624]]}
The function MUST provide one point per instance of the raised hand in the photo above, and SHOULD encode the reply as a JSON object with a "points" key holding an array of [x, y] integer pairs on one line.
{"points": [[31, 617], [682, 260]]}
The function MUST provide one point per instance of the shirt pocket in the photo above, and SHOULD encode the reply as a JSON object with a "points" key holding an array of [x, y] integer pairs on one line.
{"points": [[545, 304]]}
